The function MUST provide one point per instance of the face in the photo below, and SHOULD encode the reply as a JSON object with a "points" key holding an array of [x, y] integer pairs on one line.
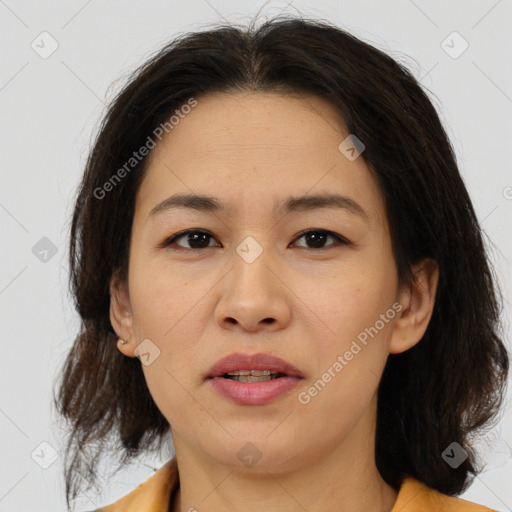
{"points": [[313, 285]]}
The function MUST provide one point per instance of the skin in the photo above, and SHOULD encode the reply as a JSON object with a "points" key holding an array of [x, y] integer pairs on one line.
{"points": [[251, 151]]}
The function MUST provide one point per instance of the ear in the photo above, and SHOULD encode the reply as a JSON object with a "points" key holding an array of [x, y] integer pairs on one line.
{"points": [[121, 314], [417, 306]]}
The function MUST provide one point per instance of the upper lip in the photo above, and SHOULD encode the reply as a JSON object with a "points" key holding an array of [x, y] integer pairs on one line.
{"points": [[239, 361]]}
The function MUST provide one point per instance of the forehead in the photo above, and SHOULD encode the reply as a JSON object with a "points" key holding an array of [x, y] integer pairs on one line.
{"points": [[248, 148], [224, 121]]}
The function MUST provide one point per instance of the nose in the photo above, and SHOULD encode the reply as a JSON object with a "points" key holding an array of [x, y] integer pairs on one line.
{"points": [[254, 296]]}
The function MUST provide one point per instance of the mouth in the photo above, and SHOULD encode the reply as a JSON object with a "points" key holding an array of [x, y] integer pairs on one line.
{"points": [[255, 379]]}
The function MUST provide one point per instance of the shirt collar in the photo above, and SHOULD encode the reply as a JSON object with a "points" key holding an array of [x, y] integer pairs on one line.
{"points": [[155, 494]]}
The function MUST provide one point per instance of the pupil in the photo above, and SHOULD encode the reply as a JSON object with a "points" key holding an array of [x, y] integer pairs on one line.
{"points": [[193, 237], [314, 237]]}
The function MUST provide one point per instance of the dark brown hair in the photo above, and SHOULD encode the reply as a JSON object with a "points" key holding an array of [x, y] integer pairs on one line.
{"points": [[442, 390]]}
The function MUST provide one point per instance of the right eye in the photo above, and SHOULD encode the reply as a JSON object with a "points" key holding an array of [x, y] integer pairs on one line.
{"points": [[198, 239]]}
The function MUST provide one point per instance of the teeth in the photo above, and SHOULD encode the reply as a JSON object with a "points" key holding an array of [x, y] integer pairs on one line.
{"points": [[251, 378], [254, 373], [251, 375]]}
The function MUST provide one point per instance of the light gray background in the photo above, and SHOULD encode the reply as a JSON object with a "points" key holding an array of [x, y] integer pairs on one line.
{"points": [[50, 107]]}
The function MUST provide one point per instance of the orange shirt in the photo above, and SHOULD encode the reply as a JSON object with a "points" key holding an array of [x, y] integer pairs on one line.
{"points": [[154, 495]]}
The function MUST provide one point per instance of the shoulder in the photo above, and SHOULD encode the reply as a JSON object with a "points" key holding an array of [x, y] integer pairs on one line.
{"points": [[152, 495], [415, 496]]}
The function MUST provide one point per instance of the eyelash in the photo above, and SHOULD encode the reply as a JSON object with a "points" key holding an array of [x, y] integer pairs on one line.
{"points": [[171, 240]]}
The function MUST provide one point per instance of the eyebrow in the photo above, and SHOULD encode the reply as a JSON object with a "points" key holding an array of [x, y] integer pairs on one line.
{"points": [[210, 204]]}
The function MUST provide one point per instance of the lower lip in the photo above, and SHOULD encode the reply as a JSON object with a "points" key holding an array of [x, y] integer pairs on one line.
{"points": [[253, 393]]}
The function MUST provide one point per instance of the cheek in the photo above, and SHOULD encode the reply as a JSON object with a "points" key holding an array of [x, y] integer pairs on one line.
{"points": [[350, 300], [355, 310], [159, 297], [166, 310], [348, 370]]}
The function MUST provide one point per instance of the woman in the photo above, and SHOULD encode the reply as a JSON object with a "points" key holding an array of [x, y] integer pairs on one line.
{"points": [[276, 260]]}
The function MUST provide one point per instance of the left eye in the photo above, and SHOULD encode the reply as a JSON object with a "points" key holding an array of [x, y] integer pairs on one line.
{"points": [[317, 237]]}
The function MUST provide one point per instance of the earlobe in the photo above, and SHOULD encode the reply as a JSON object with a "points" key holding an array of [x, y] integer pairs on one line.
{"points": [[120, 312], [417, 307]]}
